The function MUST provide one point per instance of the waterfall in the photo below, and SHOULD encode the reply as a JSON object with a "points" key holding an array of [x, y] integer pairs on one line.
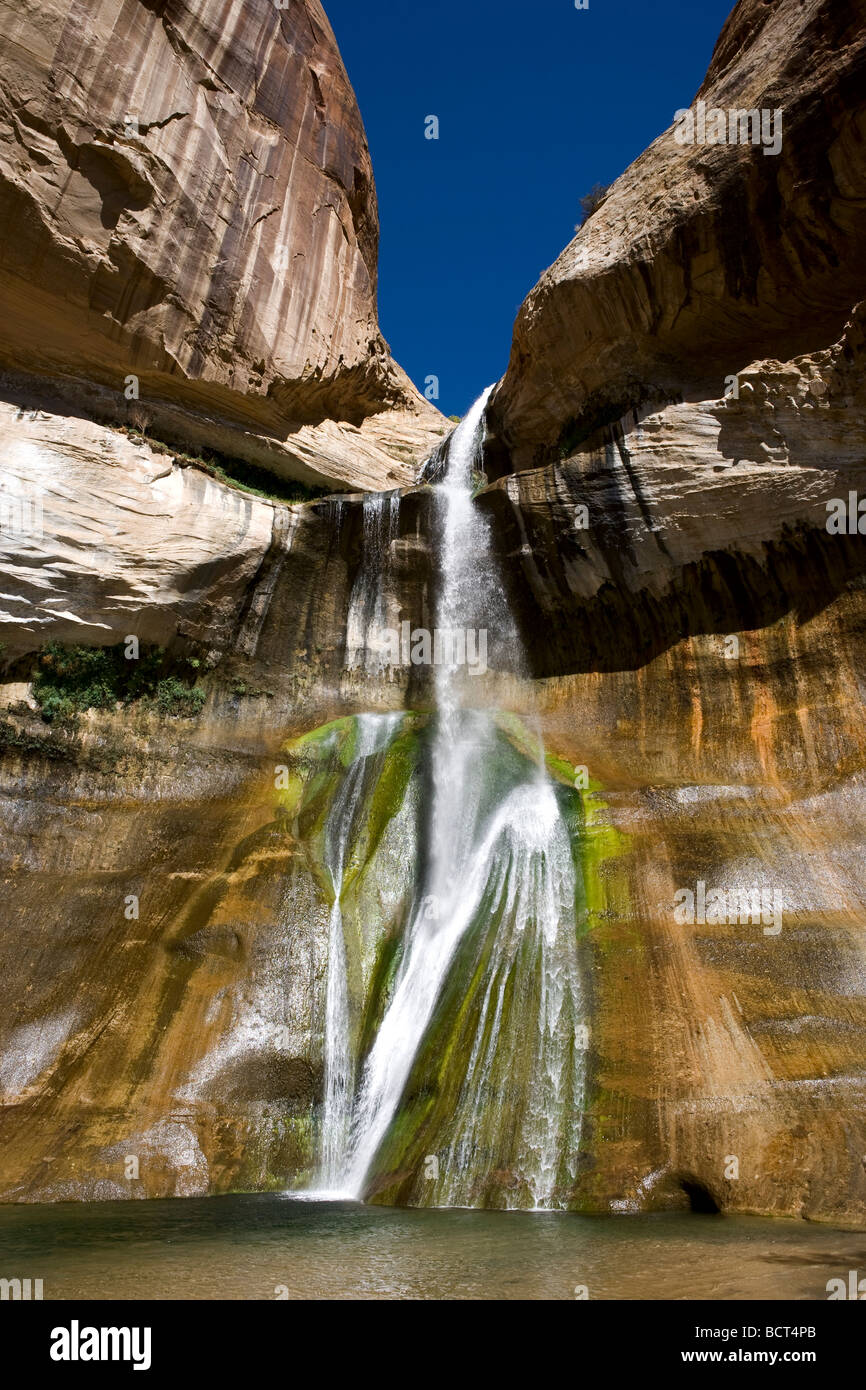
{"points": [[498, 884], [368, 610], [373, 734]]}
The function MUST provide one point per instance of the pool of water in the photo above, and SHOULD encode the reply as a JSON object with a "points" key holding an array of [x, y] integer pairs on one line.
{"points": [[269, 1246]]}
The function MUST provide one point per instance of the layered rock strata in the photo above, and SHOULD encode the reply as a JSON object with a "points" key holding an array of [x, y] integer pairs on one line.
{"points": [[187, 200]]}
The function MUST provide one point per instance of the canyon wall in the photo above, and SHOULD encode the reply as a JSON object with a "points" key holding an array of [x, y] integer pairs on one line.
{"points": [[679, 429], [683, 403], [705, 257], [186, 198]]}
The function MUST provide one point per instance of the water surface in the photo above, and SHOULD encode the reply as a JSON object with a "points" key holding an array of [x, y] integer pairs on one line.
{"points": [[264, 1246]]}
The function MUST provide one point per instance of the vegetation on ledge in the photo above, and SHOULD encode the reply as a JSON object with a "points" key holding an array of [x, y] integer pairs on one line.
{"points": [[70, 680], [233, 472], [591, 202]]}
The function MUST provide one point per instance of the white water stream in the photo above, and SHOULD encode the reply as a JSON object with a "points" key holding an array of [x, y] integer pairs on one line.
{"points": [[373, 734], [510, 863]]}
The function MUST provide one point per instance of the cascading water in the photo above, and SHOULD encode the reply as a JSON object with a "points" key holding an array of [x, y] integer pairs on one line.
{"points": [[373, 734], [498, 893], [368, 615]]}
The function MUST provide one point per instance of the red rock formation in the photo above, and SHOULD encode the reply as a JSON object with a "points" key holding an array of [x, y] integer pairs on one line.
{"points": [[704, 258], [186, 195]]}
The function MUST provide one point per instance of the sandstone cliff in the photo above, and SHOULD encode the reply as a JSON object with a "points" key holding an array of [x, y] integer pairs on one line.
{"points": [[682, 414], [695, 635], [706, 257], [186, 197]]}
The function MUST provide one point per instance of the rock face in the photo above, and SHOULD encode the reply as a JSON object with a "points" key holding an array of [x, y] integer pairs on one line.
{"points": [[186, 197], [704, 258], [682, 421], [102, 535], [699, 517], [159, 526]]}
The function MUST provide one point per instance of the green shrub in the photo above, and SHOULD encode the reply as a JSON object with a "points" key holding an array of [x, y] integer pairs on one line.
{"points": [[47, 745], [70, 680], [258, 481], [591, 202], [173, 697]]}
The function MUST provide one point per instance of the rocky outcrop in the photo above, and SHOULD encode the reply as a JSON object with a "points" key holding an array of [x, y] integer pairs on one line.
{"points": [[727, 1051], [706, 257], [186, 198], [190, 1036], [103, 536], [708, 516], [173, 546]]}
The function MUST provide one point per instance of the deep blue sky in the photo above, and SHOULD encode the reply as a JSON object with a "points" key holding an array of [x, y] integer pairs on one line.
{"points": [[537, 101]]}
